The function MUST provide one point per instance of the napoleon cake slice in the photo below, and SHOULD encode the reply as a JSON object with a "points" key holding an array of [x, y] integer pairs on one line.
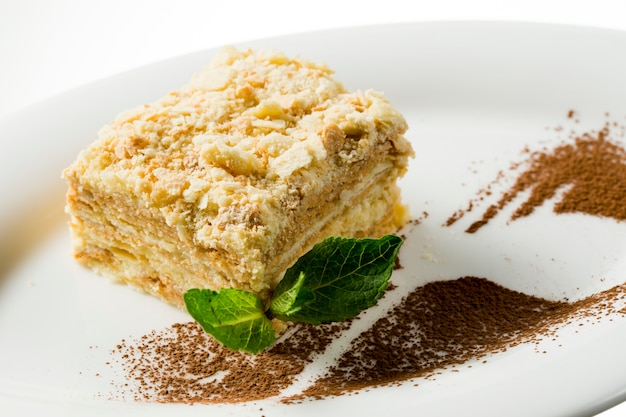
{"points": [[228, 180]]}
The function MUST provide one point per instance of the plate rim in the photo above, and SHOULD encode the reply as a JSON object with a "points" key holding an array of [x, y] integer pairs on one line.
{"points": [[618, 396]]}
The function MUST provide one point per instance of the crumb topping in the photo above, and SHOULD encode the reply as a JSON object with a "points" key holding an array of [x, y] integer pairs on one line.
{"points": [[222, 156]]}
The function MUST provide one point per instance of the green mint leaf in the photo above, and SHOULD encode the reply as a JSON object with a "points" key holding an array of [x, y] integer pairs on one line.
{"points": [[235, 318], [285, 302], [336, 280]]}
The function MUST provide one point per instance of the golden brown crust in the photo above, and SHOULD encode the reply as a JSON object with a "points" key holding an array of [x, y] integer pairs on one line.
{"points": [[227, 180]]}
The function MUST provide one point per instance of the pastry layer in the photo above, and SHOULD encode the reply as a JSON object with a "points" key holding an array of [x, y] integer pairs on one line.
{"points": [[227, 181], [143, 254]]}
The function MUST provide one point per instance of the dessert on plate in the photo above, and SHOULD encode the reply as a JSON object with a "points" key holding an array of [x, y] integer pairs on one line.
{"points": [[227, 181]]}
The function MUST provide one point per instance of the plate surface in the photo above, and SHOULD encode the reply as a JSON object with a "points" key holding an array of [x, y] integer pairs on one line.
{"points": [[474, 94]]}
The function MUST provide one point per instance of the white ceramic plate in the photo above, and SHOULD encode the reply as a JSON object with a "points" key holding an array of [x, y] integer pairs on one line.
{"points": [[474, 94]]}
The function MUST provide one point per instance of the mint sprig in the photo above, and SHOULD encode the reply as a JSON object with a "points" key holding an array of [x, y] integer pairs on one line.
{"points": [[334, 281]]}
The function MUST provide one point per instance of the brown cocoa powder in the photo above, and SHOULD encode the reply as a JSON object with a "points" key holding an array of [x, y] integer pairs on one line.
{"points": [[448, 323], [592, 166], [182, 364], [438, 326]]}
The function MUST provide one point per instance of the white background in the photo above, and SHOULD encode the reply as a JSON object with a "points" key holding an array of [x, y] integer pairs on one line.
{"points": [[47, 47]]}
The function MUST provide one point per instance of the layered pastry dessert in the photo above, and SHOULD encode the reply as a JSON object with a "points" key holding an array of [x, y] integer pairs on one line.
{"points": [[228, 180]]}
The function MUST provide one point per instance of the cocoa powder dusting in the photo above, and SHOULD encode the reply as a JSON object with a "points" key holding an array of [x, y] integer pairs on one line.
{"points": [[444, 324], [440, 325], [591, 171], [182, 364]]}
